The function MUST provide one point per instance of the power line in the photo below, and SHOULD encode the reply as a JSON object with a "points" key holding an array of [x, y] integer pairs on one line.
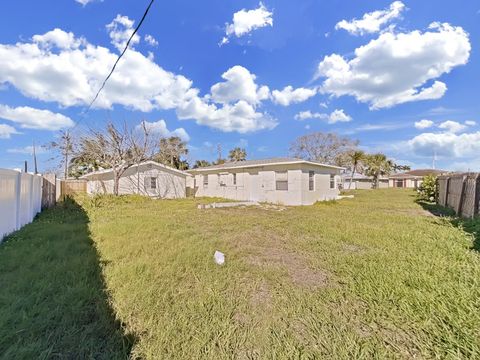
{"points": [[120, 56]]}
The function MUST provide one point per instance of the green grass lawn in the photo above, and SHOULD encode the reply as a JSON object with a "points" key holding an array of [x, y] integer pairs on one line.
{"points": [[377, 276]]}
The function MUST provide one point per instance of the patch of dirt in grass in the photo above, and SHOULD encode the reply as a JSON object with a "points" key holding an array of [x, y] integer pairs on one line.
{"points": [[261, 297], [272, 207], [354, 249], [300, 273]]}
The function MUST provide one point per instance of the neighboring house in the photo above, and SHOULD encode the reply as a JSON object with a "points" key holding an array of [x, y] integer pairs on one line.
{"points": [[362, 182], [411, 179], [148, 178], [286, 181]]}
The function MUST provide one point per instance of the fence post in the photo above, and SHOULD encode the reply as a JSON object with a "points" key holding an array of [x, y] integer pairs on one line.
{"points": [[447, 185], [462, 195], [476, 204], [18, 192]]}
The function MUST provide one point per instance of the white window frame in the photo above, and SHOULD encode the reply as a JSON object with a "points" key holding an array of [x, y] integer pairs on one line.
{"points": [[234, 180], [281, 177], [205, 181], [149, 180], [333, 181]]}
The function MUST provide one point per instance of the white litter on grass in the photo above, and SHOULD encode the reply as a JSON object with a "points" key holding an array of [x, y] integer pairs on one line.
{"points": [[219, 257]]}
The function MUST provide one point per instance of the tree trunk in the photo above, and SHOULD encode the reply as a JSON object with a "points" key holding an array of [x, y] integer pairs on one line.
{"points": [[351, 178], [115, 182], [66, 166]]}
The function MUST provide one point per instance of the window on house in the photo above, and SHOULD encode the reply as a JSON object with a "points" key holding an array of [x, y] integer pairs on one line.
{"points": [[221, 179], [205, 180], [311, 180], [234, 179], [399, 183], [281, 181], [332, 181], [151, 183]]}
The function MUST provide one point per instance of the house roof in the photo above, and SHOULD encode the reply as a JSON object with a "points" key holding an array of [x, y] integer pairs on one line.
{"points": [[417, 173], [358, 176], [260, 163], [149, 162]]}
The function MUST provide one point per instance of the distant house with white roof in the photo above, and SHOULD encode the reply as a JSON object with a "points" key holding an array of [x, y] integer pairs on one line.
{"points": [[287, 181], [148, 178]]}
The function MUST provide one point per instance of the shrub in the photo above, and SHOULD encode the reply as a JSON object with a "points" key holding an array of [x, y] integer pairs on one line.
{"points": [[428, 189]]}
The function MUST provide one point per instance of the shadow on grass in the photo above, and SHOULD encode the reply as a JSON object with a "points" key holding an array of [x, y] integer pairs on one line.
{"points": [[53, 302], [471, 226]]}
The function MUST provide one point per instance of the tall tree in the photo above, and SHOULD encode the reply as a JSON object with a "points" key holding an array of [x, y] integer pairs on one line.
{"points": [[327, 148], [355, 158], [237, 154], [116, 148], [171, 151]]}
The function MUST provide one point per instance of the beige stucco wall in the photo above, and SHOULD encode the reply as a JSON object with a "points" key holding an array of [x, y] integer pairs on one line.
{"points": [[408, 183], [170, 184], [259, 184]]}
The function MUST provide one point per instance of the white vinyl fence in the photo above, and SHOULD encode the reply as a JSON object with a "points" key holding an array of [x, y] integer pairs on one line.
{"points": [[20, 199]]}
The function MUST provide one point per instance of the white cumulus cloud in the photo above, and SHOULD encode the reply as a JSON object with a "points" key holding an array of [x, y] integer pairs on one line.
{"points": [[470, 123], [397, 68], [85, 2], [423, 124], [120, 30], [160, 129], [452, 126], [446, 144], [239, 85], [372, 22], [240, 116], [290, 95], [31, 118], [338, 115], [150, 40], [245, 21], [58, 67], [6, 131]]}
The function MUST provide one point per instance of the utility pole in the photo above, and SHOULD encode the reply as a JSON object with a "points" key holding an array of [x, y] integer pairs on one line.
{"points": [[35, 158], [219, 151], [25, 167], [67, 144]]}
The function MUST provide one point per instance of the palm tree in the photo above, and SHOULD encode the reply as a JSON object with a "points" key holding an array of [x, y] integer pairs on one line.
{"points": [[355, 158], [237, 154], [201, 163], [378, 165], [171, 151]]}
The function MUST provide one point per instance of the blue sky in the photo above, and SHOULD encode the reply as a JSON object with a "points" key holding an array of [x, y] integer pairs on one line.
{"points": [[401, 77]]}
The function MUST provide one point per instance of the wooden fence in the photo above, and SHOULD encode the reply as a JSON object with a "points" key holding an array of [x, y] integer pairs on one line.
{"points": [[49, 191], [72, 187], [461, 192]]}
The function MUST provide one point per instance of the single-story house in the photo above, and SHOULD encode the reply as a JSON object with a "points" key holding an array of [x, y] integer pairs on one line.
{"points": [[147, 178], [411, 179], [361, 182], [287, 181]]}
